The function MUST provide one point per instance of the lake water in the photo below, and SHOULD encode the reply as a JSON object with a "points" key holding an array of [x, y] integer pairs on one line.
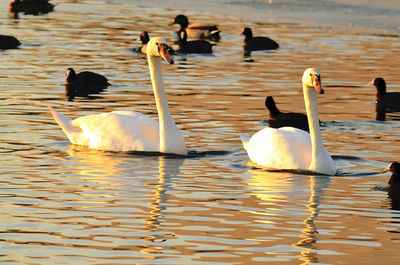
{"points": [[64, 204]]}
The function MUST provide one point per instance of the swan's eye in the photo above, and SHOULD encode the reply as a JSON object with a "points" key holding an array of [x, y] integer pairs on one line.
{"points": [[161, 47], [315, 76]]}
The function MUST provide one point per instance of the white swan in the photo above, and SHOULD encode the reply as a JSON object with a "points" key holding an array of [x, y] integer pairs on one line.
{"points": [[289, 148], [129, 130]]}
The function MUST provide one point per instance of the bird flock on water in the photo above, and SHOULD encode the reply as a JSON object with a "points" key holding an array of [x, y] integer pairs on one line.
{"points": [[291, 141]]}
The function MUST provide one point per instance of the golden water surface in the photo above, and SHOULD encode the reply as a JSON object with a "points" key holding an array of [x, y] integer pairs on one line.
{"points": [[64, 204]]}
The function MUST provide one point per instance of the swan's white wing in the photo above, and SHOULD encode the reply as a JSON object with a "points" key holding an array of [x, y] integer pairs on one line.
{"points": [[64, 122], [283, 148], [114, 131], [118, 131]]}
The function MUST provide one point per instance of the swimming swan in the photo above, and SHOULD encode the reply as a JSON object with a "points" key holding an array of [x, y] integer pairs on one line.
{"points": [[129, 130], [289, 148]]}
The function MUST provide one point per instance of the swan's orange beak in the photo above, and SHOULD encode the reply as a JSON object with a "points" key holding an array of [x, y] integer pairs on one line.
{"points": [[316, 81], [165, 54]]}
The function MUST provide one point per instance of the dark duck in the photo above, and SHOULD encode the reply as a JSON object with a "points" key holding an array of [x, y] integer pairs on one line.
{"points": [[389, 99], [8, 42], [197, 30], [278, 119], [258, 43], [193, 46], [144, 39], [31, 7], [393, 186], [84, 83], [386, 102]]}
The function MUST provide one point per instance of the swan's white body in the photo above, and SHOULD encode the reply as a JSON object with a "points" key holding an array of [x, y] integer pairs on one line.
{"points": [[129, 130], [289, 148]]}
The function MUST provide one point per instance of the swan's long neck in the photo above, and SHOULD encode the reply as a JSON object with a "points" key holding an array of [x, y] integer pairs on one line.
{"points": [[318, 149], [171, 140]]}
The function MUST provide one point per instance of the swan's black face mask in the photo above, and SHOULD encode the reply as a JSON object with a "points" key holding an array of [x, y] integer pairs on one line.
{"points": [[163, 51], [316, 81]]}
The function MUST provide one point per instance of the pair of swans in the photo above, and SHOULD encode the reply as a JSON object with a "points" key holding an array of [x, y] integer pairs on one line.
{"points": [[284, 148]]}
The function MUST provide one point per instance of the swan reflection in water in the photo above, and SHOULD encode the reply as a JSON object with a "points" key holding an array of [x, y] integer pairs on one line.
{"points": [[168, 169], [125, 185], [277, 189]]}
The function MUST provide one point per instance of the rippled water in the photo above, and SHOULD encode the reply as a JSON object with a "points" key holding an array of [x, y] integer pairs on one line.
{"points": [[64, 204]]}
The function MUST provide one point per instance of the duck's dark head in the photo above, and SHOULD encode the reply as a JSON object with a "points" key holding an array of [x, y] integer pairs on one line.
{"points": [[181, 20], [395, 178], [144, 37], [380, 85], [269, 101], [247, 33], [271, 106], [70, 74]]}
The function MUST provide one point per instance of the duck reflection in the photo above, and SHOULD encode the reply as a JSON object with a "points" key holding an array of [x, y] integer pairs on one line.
{"points": [[247, 57], [287, 187], [394, 200], [71, 93], [383, 112]]}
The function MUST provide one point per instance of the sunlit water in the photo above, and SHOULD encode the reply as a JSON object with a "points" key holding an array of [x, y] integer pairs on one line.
{"points": [[64, 204]]}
